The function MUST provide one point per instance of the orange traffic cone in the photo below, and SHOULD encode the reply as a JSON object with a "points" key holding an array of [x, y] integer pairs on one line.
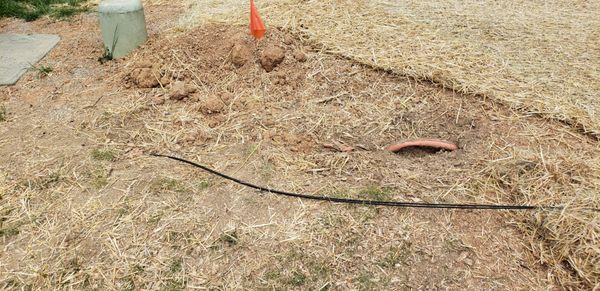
{"points": [[257, 27]]}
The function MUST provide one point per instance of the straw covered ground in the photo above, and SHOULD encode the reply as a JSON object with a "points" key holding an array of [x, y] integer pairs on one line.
{"points": [[83, 205], [541, 57]]}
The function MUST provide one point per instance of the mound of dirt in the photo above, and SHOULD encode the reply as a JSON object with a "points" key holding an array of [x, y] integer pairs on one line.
{"points": [[223, 66]]}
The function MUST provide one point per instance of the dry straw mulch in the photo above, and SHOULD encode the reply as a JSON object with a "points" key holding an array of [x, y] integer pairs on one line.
{"points": [[538, 57], [541, 57]]}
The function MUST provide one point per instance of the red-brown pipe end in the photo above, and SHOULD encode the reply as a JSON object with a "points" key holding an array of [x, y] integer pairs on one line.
{"points": [[423, 142]]}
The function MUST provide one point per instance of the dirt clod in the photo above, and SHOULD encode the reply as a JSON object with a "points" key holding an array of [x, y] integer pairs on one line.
{"points": [[144, 64], [240, 54], [144, 77], [158, 99], [288, 39], [211, 106], [300, 56], [272, 57], [180, 90], [165, 80]]}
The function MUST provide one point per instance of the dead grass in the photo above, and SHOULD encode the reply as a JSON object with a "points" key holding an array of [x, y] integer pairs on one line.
{"points": [[516, 174], [566, 241], [541, 58], [149, 223]]}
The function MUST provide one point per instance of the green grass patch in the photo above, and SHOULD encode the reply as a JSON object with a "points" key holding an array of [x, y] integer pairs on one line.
{"points": [[104, 155], [297, 278], [201, 185], [175, 266], [30, 10], [365, 281], [167, 184], [7, 232], [2, 113], [99, 178], [397, 255], [42, 182], [376, 193]]}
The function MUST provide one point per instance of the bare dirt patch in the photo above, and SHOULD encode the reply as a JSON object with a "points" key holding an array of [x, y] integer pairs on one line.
{"points": [[500, 50]]}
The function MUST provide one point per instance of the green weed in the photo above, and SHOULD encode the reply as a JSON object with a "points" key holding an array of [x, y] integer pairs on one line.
{"points": [[175, 285], [30, 10], [108, 52], [44, 182], [42, 70], [64, 12], [201, 185], [365, 281]]}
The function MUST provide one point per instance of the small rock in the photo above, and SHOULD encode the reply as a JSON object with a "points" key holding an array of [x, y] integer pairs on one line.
{"points": [[271, 57], [136, 152], [200, 137], [226, 97], [329, 146], [300, 56], [240, 54]]}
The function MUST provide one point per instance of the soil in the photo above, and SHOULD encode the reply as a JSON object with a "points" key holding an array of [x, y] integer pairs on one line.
{"points": [[262, 111]]}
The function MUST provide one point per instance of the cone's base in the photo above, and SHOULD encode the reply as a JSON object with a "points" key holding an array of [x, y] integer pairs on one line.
{"points": [[258, 34]]}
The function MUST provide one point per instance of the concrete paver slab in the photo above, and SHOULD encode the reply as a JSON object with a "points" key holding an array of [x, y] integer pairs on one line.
{"points": [[19, 51]]}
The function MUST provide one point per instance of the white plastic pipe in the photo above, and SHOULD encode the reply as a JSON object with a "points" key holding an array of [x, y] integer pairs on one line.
{"points": [[123, 25]]}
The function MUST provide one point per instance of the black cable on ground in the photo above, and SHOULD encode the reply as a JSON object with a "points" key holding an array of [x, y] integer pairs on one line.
{"points": [[368, 202]]}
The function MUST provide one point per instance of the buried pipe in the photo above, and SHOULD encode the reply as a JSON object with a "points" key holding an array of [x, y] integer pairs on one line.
{"points": [[423, 142]]}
